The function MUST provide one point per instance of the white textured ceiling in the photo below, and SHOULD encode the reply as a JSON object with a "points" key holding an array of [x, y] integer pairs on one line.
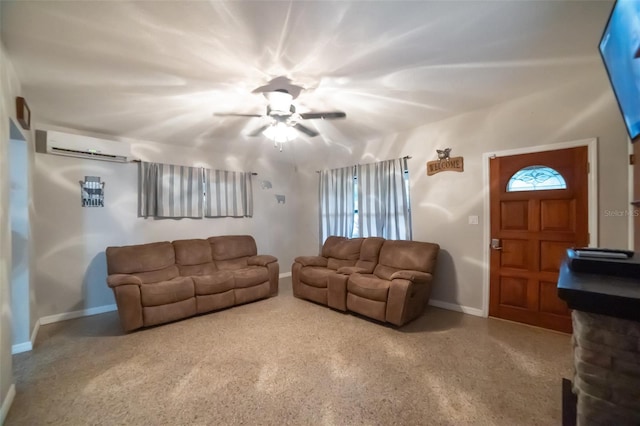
{"points": [[158, 70]]}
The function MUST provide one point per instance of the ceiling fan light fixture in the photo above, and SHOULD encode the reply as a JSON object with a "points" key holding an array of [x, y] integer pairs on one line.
{"points": [[280, 132], [279, 101]]}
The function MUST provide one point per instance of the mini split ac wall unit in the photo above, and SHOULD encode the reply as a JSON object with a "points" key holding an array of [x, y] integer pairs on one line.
{"points": [[79, 146]]}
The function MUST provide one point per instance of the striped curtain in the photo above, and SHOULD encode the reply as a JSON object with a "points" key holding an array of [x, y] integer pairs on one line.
{"points": [[336, 203], [383, 202], [147, 183], [228, 194], [166, 190]]}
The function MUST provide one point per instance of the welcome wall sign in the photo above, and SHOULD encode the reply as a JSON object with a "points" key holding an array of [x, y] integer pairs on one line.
{"points": [[445, 163]]}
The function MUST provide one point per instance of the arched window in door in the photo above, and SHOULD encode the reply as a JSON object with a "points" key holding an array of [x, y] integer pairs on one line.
{"points": [[536, 178]]}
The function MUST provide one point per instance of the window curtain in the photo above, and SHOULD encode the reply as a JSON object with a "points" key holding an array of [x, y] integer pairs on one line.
{"points": [[228, 193], [383, 202], [336, 202], [147, 184], [167, 190]]}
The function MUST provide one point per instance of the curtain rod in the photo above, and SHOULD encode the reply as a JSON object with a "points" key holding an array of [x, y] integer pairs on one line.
{"points": [[406, 157], [140, 161]]}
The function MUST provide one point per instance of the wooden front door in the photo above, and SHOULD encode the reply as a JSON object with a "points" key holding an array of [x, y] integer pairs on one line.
{"points": [[531, 229]]}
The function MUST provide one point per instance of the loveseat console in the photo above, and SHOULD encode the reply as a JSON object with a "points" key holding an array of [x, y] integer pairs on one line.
{"points": [[387, 280]]}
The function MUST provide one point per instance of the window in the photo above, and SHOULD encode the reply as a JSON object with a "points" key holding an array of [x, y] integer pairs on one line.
{"points": [[167, 190], [366, 200], [536, 178], [356, 228]]}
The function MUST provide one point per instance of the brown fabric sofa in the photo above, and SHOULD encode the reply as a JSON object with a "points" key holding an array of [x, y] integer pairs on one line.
{"points": [[386, 280], [165, 281]]}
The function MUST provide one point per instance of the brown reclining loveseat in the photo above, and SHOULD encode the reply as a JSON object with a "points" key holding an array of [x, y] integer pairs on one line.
{"points": [[387, 280], [165, 281]]}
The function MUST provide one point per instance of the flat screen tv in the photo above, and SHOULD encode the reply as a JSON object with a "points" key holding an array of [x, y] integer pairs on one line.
{"points": [[620, 51]]}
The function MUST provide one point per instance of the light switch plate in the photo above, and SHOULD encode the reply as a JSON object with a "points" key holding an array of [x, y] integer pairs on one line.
{"points": [[473, 220]]}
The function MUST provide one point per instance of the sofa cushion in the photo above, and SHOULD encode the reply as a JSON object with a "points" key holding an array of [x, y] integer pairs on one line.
{"points": [[345, 249], [311, 260], [165, 292], [385, 272], [315, 276], [139, 258], [329, 243], [407, 255], [218, 282], [232, 246], [192, 252], [232, 264], [368, 286], [348, 270], [369, 252], [335, 264], [195, 270], [165, 274], [253, 275]]}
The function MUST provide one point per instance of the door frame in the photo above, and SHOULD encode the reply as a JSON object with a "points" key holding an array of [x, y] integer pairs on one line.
{"points": [[592, 149], [632, 179]]}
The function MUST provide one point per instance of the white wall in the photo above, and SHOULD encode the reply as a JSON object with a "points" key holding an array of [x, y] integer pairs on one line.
{"points": [[10, 88], [70, 240], [19, 213], [582, 108]]}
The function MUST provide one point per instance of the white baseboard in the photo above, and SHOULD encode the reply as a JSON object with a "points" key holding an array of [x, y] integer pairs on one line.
{"points": [[284, 275], [77, 314], [18, 348], [6, 404], [34, 333], [455, 307], [26, 346]]}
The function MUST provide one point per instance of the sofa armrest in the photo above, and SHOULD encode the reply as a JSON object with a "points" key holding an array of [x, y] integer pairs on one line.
{"points": [[116, 280], [129, 301], [413, 276], [348, 270], [261, 260], [312, 260], [407, 299]]}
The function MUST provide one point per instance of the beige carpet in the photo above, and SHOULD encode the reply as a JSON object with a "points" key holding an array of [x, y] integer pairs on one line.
{"points": [[289, 361]]}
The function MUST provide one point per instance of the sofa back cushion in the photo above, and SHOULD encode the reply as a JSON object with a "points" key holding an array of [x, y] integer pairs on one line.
{"points": [[192, 252], [193, 257], [232, 251], [369, 253], [329, 243], [341, 251], [397, 255], [140, 258]]}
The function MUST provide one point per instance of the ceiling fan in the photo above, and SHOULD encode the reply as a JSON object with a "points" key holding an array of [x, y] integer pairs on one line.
{"points": [[281, 115]]}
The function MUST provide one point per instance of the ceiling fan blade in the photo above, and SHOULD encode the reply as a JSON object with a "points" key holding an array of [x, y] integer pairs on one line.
{"points": [[233, 114], [306, 130], [259, 130], [324, 115]]}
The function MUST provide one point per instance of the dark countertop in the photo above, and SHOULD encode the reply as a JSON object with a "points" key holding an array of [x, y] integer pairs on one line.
{"points": [[600, 294]]}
